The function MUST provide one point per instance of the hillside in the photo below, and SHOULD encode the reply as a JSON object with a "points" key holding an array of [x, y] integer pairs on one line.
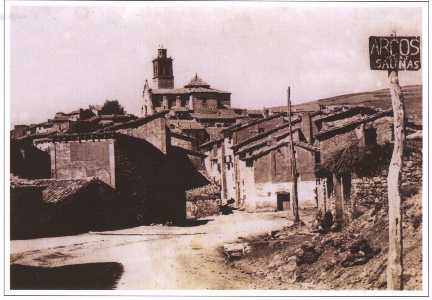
{"points": [[379, 99]]}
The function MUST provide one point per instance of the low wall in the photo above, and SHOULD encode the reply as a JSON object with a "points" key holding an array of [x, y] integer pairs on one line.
{"points": [[366, 190], [202, 208], [203, 201]]}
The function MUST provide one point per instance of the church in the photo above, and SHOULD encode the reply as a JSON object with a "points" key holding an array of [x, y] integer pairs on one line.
{"points": [[197, 96]]}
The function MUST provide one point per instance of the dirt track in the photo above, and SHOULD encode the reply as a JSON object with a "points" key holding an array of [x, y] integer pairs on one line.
{"points": [[146, 257]]}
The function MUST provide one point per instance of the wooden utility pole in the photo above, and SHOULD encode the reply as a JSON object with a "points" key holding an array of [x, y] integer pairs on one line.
{"points": [[293, 164], [394, 261]]}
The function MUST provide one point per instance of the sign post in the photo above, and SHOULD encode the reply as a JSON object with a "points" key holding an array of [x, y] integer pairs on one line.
{"points": [[392, 54]]}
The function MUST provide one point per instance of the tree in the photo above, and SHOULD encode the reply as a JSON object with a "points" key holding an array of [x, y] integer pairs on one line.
{"points": [[112, 107]]}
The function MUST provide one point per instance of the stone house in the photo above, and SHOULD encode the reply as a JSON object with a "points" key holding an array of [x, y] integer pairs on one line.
{"points": [[140, 159], [334, 188], [46, 207], [221, 153], [252, 160]]}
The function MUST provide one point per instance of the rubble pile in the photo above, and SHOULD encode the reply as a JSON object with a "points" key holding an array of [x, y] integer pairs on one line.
{"points": [[354, 258], [203, 201]]}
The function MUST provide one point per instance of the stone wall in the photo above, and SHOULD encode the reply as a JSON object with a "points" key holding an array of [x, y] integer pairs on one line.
{"points": [[366, 190], [82, 159], [154, 131], [202, 208], [337, 142], [203, 201]]}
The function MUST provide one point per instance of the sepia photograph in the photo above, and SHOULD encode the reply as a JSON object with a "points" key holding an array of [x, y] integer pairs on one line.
{"points": [[211, 147]]}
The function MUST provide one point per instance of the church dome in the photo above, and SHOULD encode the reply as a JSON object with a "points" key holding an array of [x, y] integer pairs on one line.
{"points": [[197, 82]]}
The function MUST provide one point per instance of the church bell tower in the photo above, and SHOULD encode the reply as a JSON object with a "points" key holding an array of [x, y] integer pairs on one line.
{"points": [[163, 77]]}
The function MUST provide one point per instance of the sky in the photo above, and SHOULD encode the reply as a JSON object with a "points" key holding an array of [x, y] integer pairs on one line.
{"points": [[66, 57]]}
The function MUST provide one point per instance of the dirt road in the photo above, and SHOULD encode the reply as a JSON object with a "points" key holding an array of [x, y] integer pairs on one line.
{"points": [[146, 257]]}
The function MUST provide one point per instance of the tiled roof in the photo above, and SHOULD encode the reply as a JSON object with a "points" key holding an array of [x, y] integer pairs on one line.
{"points": [[61, 118], [56, 190], [185, 124], [264, 150], [84, 136], [136, 123], [181, 91], [344, 112], [263, 140], [201, 116], [265, 134], [354, 123], [237, 127], [211, 142]]}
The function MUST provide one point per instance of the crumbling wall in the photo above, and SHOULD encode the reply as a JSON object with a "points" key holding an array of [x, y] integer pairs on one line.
{"points": [[153, 131], [82, 159], [203, 201], [384, 130]]}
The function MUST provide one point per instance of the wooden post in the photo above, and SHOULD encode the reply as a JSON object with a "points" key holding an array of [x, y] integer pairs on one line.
{"points": [[337, 187], [394, 262], [293, 165]]}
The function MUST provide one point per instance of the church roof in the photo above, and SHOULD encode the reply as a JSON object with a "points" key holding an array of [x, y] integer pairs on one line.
{"points": [[197, 82], [181, 91], [196, 85]]}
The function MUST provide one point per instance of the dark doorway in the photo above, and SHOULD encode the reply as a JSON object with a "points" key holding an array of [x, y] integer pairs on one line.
{"points": [[370, 136], [283, 201]]}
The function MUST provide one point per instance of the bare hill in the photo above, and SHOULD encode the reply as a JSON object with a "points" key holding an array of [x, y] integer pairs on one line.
{"points": [[379, 99]]}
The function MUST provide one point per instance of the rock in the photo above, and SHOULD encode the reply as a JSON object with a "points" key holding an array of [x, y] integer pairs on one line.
{"points": [[335, 227], [307, 246], [237, 250], [273, 233], [360, 244], [350, 259], [307, 254]]}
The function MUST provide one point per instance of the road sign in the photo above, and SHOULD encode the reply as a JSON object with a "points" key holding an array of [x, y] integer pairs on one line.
{"points": [[401, 53]]}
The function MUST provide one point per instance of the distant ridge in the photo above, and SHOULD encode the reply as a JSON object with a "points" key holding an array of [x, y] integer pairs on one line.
{"points": [[379, 99]]}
